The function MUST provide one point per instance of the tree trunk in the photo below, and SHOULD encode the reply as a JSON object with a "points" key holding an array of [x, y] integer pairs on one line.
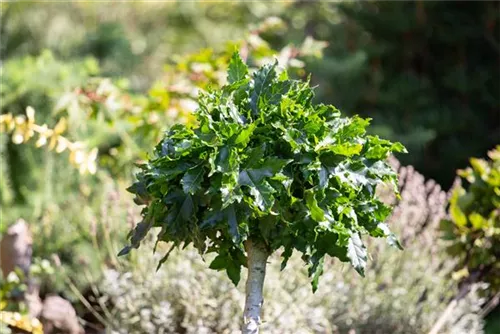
{"points": [[257, 257]]}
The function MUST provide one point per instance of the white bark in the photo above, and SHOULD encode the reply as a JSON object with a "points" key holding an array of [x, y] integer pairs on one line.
{"points": [[257, 259]]}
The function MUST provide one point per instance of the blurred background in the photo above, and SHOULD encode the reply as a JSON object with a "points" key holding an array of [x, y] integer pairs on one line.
{"points": [[87, 89]]}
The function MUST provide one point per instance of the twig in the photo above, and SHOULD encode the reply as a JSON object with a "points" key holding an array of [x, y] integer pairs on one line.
{"points": [[444, 317], [490, 305]]}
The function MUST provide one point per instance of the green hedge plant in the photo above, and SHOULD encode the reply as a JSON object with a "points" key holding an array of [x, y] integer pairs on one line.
{"points": [[264, 169], [473, 227]]}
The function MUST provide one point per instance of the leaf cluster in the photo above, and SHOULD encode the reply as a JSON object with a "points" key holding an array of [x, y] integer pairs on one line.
{"points": [[474, 225], [265, 163]]}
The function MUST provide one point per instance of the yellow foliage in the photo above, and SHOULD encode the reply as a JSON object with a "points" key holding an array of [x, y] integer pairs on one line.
{"points": [[20, 321], [23, 128]]}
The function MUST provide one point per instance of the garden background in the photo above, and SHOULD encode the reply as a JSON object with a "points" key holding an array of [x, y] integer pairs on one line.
{"points": [[88, 89]]}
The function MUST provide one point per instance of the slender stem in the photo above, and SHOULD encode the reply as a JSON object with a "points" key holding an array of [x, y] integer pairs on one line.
{"points": [[257, 259], [444, 317]]}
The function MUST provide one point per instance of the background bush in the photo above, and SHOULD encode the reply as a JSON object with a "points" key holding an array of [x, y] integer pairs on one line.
{"points": [[473, 228]]}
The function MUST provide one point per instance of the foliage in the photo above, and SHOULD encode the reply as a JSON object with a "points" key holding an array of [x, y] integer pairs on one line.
{"points": [[22, 87], [426, 72], [21, 82], [19, 323], [263, 162], [128, 39], [473, 227], [12, 288], [24, 128], [403, 293]]}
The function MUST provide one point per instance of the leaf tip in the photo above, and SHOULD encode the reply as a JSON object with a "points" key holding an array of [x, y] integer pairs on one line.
{"points": [[124, 251]]}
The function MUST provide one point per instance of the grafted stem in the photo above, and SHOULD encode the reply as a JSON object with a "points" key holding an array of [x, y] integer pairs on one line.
{"points": [[257, 255]]}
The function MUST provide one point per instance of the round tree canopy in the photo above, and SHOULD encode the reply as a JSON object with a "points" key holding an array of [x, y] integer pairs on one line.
{"points": [[264, 163]]}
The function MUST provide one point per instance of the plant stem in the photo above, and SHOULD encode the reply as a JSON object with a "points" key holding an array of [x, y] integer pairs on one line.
{"points": [[257, 255]]}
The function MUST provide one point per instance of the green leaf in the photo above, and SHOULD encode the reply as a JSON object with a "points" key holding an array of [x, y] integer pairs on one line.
{"points": [[315, 271], [137, 235], [267, 168], [211, 219], [233, 272], [259, 189], [237, 69], [255, 155], [187, 208], [324, 176], [219, 262], [180, 214], [263, 79], [191, 181], [347, 149], [124, 251], [456, 213], [224, 161], [277, 90], [233, 223], [316, 212], [165, 257], [478, 222], [267, 225], [234, 113], [356, 252], [244, 136], [287, 253]]}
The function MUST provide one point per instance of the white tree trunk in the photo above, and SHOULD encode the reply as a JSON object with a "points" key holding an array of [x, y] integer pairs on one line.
{"points": [[257, 260]]}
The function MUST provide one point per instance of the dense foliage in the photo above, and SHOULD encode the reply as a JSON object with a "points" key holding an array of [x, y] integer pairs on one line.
{"points": [[427, 72], [474, 225], [265, 163], [190, 299]]}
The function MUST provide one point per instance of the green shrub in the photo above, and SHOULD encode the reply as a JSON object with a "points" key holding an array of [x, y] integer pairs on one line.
{"points": [[265, 169], [404, 292], [473, 228]]}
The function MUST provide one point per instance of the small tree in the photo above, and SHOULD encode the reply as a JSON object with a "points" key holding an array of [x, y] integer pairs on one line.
{"points": [[266, 169]]}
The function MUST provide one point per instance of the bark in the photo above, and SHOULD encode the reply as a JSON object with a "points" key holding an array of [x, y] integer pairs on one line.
{"points": [[257, 255]]}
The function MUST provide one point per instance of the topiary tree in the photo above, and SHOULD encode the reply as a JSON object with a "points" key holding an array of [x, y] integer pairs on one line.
{"points": [[266, 169]]}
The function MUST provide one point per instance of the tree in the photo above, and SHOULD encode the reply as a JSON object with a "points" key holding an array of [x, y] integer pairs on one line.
{"points": [[265, 169]]}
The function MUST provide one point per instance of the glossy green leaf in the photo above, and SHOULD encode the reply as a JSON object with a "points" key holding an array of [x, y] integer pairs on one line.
{"points": [[237, 69], [316, 212], [191, 181], [219, 262], [263, 79]]}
